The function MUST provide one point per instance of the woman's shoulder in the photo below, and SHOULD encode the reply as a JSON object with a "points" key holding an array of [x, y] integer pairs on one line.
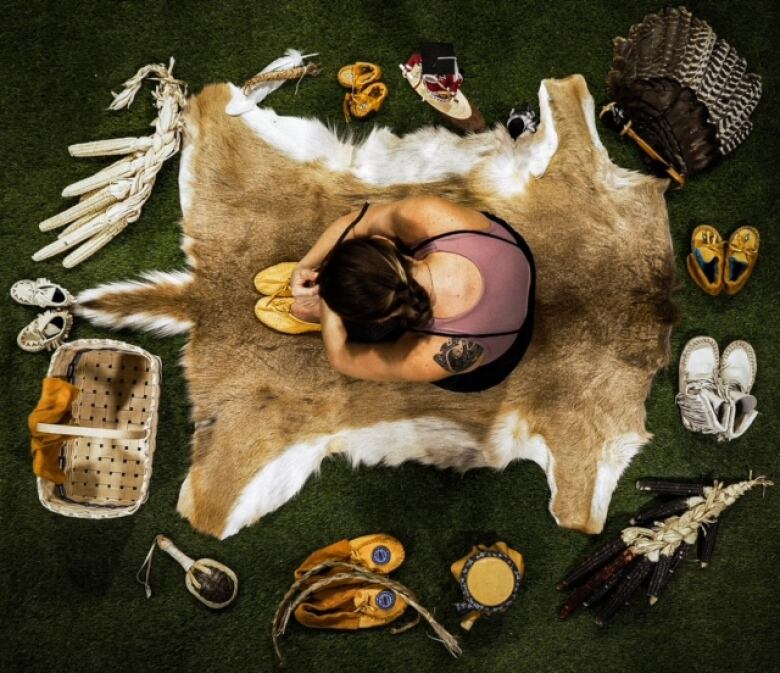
{"points": [[421, 217]]}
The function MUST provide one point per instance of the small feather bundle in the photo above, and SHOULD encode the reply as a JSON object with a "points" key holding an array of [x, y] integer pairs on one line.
{"points": [[678, 89], [269, 79], [615, 572]]}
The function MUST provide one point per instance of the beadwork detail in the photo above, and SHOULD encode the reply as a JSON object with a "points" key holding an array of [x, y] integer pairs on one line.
{"points": [[380, 555], [385, 599]]}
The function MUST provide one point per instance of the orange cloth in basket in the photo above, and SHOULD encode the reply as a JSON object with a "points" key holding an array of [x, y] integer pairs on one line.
{"points": [[53, 407]]}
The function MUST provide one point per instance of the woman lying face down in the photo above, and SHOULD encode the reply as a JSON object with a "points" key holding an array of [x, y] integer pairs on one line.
{"points": [[420, 289]]}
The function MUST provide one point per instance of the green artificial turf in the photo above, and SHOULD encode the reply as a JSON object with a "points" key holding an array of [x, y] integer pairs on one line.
{"points": [[69, 600]]}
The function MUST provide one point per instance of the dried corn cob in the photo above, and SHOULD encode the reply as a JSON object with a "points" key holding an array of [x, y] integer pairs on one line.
{"points": [[659, 578], [595, 560], [605, 588], [678, 557], [664, 510], [581, 594], [98, 202], [110, 147], [662, 487], [625, 590], [707, 542]]}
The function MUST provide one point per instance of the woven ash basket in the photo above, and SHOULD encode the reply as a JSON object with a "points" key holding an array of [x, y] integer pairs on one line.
{"points": [[107, 458]]}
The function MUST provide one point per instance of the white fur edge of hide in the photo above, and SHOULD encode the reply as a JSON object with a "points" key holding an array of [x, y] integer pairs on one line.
{"points": [[615, 458], [185, 196], [160, 324], [424, 440], [186, 175], [511, 440], [426, 155], [516, 163], [613, 175]]}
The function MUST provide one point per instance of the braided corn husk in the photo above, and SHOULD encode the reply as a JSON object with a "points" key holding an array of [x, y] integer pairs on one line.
{"points": [[116, 194]]}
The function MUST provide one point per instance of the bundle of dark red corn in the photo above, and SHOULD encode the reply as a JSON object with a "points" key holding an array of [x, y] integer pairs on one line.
{"points": [[648, 557]]}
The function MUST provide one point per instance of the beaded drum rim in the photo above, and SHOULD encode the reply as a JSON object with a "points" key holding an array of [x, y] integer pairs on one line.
{"points": [[470, 603]]}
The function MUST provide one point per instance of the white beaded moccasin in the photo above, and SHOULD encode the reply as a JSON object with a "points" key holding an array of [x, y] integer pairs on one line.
{"points": [[42, 293], [46, 332], [736, 377], [702, 406]]}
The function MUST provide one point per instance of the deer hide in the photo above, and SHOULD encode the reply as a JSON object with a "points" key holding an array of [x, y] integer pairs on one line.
{"points": [[267, 408]]}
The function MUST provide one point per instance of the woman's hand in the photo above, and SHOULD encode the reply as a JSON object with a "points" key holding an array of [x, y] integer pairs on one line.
{"points": [[303, 282]]}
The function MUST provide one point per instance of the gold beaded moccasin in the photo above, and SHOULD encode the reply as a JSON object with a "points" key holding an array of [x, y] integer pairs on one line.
{"points": [[358, 75], [367, 101], [741, 256], [706, 260]]}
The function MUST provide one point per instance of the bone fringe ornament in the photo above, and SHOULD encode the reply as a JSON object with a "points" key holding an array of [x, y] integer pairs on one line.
{"points": [[211, 582], [113, 197], [618, 569]]}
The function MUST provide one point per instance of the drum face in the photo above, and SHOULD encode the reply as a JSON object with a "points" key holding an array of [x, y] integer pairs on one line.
{"points": [[490, 581]]}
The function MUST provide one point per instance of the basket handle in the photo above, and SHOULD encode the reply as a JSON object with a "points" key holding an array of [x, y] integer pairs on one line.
{"points": [[80, 431]]}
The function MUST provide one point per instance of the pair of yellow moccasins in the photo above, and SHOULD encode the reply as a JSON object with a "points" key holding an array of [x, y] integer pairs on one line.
{"points": [[274, 310], [352, 604], [366, 93], [716, 265]]}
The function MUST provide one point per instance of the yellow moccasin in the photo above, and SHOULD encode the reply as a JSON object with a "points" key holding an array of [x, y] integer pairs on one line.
{"points": [[705, 263], [275, 279], [741, 255], [274, 312]]}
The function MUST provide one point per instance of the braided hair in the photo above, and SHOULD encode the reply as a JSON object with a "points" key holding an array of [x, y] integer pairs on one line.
{"points": [[368, 281]]}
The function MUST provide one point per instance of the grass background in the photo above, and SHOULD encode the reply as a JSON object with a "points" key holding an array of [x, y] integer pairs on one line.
{"points": [[68, 596]]}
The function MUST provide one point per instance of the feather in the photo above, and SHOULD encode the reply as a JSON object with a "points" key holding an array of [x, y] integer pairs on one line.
{"points": [[677, 49], [735, 124], [685, 93], [701, 41]]}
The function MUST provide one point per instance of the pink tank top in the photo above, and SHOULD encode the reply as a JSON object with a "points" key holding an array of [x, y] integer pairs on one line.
{"points": [[506, 283]]}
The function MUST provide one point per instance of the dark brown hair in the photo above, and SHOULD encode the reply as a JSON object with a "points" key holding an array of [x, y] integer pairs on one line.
{"points": [[367, 280]]}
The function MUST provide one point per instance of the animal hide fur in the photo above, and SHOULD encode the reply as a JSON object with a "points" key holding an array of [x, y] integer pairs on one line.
{"points": [[267, 407]]}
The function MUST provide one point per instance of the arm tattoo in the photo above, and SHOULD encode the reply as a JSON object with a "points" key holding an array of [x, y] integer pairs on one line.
{"points": [[458, 354]]}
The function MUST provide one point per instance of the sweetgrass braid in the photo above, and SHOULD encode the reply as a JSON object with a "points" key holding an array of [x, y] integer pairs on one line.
{"points": [[308, 585]]}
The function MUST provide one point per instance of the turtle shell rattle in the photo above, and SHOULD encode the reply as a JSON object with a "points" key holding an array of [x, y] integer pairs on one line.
{"points": [[211, 582]]}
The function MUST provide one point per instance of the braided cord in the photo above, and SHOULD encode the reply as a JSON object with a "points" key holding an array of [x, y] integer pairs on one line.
{"points": [[665, 537]]}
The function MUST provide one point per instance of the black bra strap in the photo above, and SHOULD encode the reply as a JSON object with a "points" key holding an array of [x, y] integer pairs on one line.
{"points": [[461, 231], [466, 336], [352, 224], [344, 233]]}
